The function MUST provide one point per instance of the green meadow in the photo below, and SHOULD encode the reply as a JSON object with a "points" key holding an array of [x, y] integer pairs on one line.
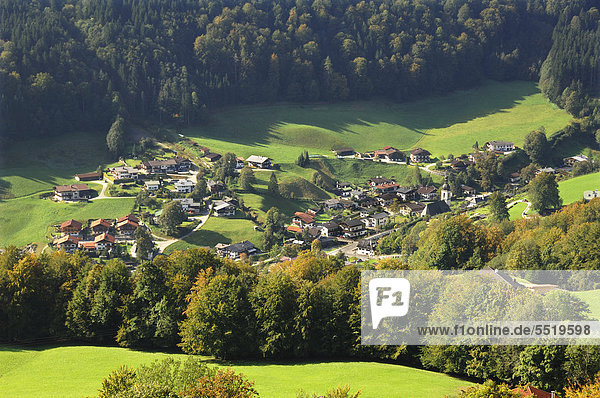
{"points": [[77, 371], [26, 220], [444, 124], [571, 190], [591, 298], [516, 211]]}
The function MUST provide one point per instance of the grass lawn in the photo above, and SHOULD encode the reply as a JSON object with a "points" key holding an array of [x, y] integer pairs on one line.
{"points": [[516, 211], [78, 371], [571, 190], [26, 220], [592, 298], [219, 230], [443, 125]]}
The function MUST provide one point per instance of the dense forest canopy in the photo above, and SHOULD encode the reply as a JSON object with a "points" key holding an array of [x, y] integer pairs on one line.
{"points": [[76, 64]]}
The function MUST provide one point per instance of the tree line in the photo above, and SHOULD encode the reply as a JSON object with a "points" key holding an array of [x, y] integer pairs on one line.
{"points": [[76, 64]]}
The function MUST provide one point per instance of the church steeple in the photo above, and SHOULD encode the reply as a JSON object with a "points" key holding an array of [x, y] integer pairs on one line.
{"points": [[446, 193]]}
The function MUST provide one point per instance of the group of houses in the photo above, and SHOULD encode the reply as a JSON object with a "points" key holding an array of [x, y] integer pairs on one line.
{"points": [[97, 236], [386, 154]]}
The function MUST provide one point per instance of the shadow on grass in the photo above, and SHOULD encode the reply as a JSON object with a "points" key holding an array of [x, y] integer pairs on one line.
{"points": [[258, 125]]}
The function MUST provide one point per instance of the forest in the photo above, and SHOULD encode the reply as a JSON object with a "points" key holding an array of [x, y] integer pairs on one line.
{"points": [[77, 64]]}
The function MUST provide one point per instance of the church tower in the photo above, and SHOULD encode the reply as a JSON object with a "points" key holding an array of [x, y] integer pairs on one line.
{"points": [[446, 193]]}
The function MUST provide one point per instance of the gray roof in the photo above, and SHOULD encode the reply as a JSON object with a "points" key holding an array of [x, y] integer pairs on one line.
{"points": [[435, 208]]}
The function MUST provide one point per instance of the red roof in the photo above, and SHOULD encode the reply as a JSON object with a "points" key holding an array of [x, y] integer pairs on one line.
{"points": [[388, 147], [88, 245], [104, 237], [129, 217], [529, 391], [71, 224], [387, 185], [124, 223], [294, 228], [306, 218], [65, 239], [100, 221]]}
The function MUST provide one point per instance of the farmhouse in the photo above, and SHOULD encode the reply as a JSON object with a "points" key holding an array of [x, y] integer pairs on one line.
{"points": [[212, 157], [467, 190], [387, 187], [125, 173], [152, 185], [344, 151], [406, 193], [435, 208], [366, 247], [73, 192], [129, 217], [99, 226], [236, 250], [127, 227], [427, 192], [420, 155], [331, 204], [412, 209], [379, 181], [330, 228], [514, 177], [389, 153], [215, 186], [223, 209], [184, 186], [171, 165], [68, 243], [88, 176], [294, 229], [260, 162], [70, 227], [239, 162], [475, 200], [189, 206], [458, 165], [499, 146], [376, 220], [570, 161], [549, 170], [387, 199], [353, 228], [302, 219], [104, 241]]}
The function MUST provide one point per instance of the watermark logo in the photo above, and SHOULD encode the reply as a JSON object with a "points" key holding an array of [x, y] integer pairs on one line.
{"points": [[389, 297]]}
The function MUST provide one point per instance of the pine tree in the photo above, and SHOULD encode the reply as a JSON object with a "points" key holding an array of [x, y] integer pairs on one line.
{"points": [[273, 187]]}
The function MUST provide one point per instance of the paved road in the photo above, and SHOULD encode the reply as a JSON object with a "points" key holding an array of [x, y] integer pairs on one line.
{"points": [[163, 243]]}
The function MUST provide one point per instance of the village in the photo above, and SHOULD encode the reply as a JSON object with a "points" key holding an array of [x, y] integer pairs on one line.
{"points": [[351, 222]]}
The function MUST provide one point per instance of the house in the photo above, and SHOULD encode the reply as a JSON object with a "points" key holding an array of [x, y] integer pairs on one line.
{"points": [[129, 217], [427, 192], [376, 220], [387, 199], [73, 192], [332, 204], [239, 162], [570, 161], [99, 226], [474, 201], [330, 228], [152, 185], [389, 153], [88, 176], [549, 170], [125, 173], [223, 209], [189, 206], [379, 181], [589, 195], [532, 392], [499, 146], [344, 151], [353, 228], [458, 165], [420, 155], [343, 185], [514, 177], [406, 193], [368, 202], [435, 208], [215, 186], [163, 166], [236, 250], [357, 194], [364, 212], [412, 209], [184, 186], [212, 157], [71, 227], [387, 187], [467, 190], [302, 219], [68, 243], [127, 227], [366, 247], [104, 241], [260, 162], [295, 229]]}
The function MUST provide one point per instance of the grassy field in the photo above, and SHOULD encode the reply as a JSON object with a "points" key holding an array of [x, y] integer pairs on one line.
{"points": [[78, 371], [571, 190], [516, 211], [592, 298], [219, 230], [26, 220], [443, 125]]}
